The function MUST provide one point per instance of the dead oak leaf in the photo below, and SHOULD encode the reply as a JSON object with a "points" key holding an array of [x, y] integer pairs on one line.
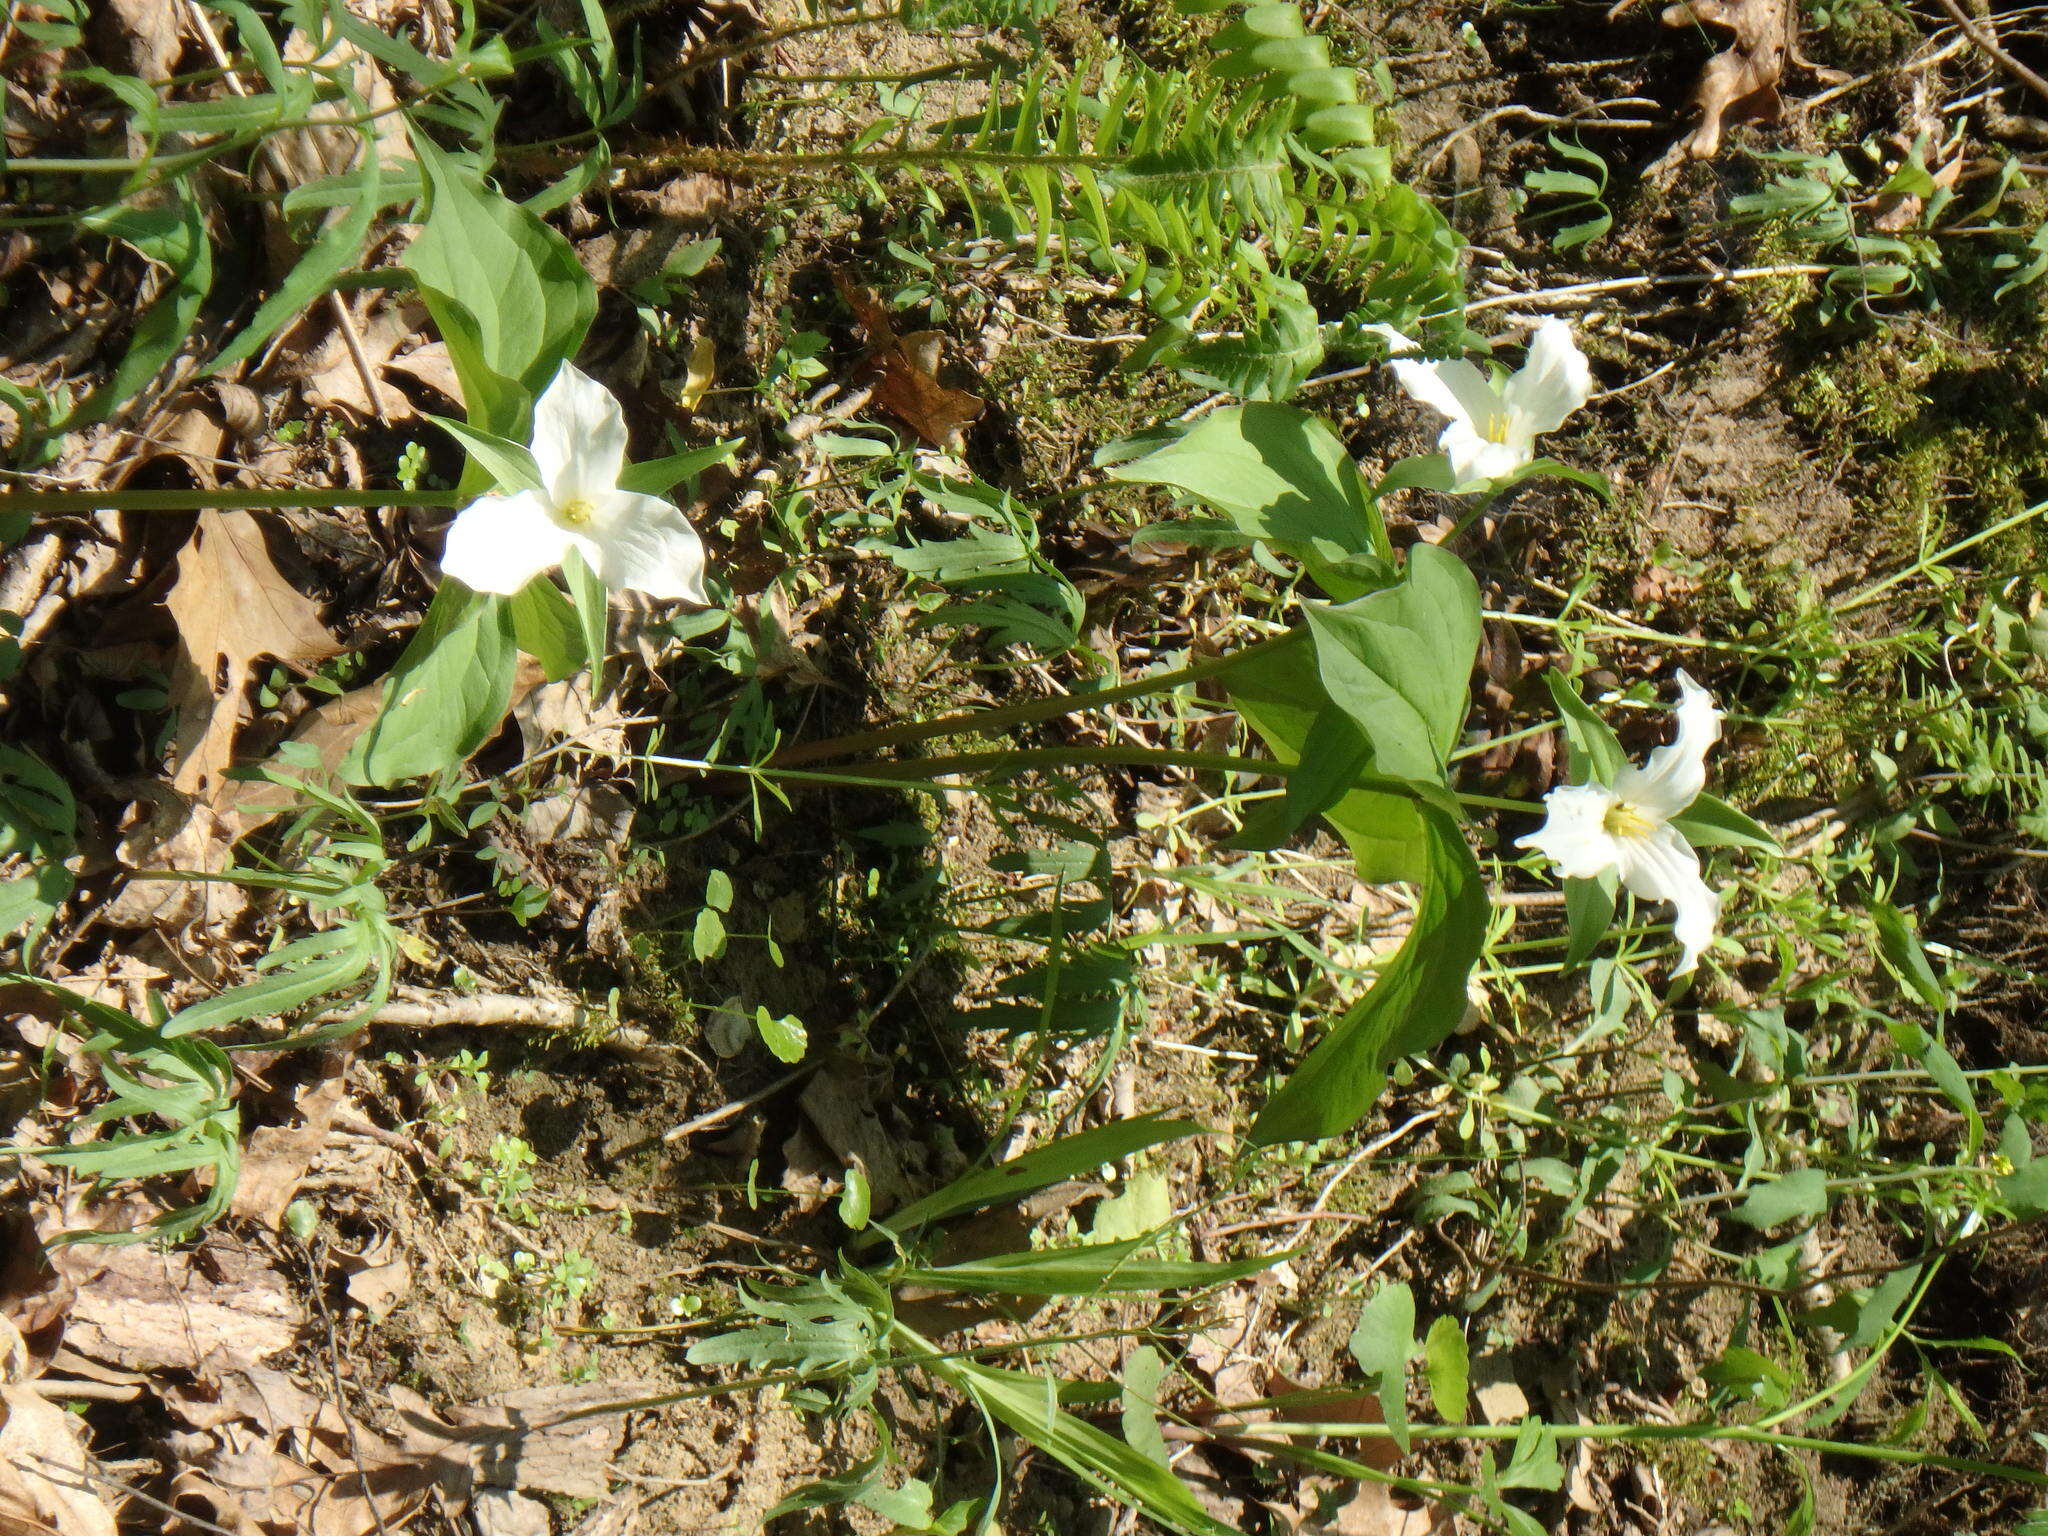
{"points": [[42, 1470], [232, 606], [1738, 84], [904, 369]]}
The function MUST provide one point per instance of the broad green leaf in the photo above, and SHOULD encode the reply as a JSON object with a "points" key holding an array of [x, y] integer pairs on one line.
{"points": [[448, 693], [507, 293], [1447, 1364], [1382, 1343], [1417, 1000], [1710, 822], [1399, 662], [784, 1035], [1595, 750], [1144, 1375], [1282, 476], [545, 626], [1021, 1401], [1589, 914], [1278, 694], [510, 465], [1332, 757], [1082, 1152], [1797, 1196]]}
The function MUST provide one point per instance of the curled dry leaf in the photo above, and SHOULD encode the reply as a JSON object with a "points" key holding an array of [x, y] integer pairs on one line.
{"points": [[232, 605], [904, 369], [1738, 84], [222, 1306], [43, 1466], [277, 1156]]}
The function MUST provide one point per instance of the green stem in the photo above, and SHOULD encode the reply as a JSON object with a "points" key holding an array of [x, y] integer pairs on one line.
{"points": [[237, 498], [1269, 1437], [1028, 713]]}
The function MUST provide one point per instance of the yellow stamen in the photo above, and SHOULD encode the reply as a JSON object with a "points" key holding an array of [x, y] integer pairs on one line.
{"points": [[1496, 428], [1624, 820], [575, 512]]}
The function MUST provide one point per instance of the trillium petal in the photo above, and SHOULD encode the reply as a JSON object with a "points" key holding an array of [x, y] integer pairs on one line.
{"points": [[646, 545], [1672, 777], [1553, 383], [1662, 866], [500, 543], [579, 437], [1455, 390], [1477, 461], [1396, 342], [1574, 835]]}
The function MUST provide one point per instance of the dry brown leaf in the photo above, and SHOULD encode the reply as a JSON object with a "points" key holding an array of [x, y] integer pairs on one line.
{"points": [[432, 366], [379, 1277], [231, 606], [254, 1490], [270, 1400], [199, 841], [528, 1439], [905, 368], [1738, 84], [148, 33], [277, 1156], [222, 1306], [42, 1467]]}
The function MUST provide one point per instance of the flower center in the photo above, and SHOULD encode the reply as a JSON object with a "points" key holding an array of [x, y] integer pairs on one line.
{"points": [[575, 512], [1624, 820], [1496, 427]]}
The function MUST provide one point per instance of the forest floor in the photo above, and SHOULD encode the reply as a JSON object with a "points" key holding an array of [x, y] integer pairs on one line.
{"points": [[578, 1132]]}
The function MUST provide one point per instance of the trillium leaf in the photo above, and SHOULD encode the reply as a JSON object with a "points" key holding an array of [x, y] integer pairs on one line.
{"points": [[1589, 914], [510, 465], [1418, 999], [1399, 662], [506, 292], [1278, 694], [447, 695], [1711, 822], [1283, 477], [544, 623], [1595, 750]]}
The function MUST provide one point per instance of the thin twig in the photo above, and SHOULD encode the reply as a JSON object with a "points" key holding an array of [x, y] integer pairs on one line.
{"points": [[1983, 37]]}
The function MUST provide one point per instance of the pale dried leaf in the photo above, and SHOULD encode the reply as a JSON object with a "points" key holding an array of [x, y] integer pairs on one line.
{"points": [[231, 605], [503, 1512], [42, 1466], [277, 1156], [149, 1308]]}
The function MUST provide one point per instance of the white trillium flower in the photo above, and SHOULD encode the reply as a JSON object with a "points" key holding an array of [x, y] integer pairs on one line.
{"points": [[500, 543], [1492, 428], [1626, 826]]}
